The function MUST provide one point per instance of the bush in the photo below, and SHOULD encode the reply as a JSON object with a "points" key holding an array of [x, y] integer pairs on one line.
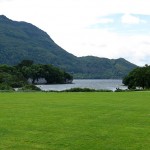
{"points": [[85, 90], [120, 90], [30, 87], [5, 87], [17, 84]]}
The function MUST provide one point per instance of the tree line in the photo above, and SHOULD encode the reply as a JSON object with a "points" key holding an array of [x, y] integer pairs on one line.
{"points": [[18, 76], [138, 77]]}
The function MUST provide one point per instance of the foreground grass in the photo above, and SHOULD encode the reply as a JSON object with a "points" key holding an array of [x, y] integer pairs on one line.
{"points": [[75, 121]]}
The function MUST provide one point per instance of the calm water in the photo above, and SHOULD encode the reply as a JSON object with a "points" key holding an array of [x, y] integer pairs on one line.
{"points": [[86, 83]]}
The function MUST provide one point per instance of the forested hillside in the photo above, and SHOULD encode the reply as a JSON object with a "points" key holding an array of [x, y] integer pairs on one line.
{"points": [[21, 40]]}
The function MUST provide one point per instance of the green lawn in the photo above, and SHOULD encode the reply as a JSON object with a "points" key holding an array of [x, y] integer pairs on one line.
{"points": [[75, 121]]}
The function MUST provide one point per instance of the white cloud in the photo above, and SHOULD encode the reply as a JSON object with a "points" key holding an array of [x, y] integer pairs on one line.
{"points": [[104, 43], [4, 0], [130, 19], [105, 20]]}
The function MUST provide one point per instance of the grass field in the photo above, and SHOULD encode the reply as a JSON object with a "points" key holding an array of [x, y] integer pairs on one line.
{"points": [[75, 121]]}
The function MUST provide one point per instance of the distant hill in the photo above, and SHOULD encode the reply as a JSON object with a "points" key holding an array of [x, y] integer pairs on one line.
{"points": [[104, 68], [21, 40]]}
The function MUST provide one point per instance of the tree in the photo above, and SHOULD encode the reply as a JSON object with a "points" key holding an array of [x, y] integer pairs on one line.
{"points": [[18, 76], [37, 71], [26, 63], [139, 77]]}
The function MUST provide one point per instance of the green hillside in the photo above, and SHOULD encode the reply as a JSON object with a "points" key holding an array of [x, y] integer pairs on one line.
{"points": [[21, 40], [104, 68]]}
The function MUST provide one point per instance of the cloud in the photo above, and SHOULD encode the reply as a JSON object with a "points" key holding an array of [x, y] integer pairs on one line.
{"points": [[123, 24], [130, 19], [146, 43], [105, 20], [5, 0], [105, 43]]}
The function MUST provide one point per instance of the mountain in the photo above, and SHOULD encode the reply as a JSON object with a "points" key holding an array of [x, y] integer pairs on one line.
{"points": [[22, 40], [104, 68]]}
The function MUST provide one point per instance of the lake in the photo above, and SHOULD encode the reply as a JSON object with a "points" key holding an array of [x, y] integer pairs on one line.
{"points": [[97, 84]]}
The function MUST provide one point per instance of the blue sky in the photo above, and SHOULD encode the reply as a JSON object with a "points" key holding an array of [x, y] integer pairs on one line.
{"points": [[121, 23], [103, 28]]}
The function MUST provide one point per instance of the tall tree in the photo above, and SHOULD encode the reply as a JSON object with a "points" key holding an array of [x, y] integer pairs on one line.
{"points": [[139, 77]]}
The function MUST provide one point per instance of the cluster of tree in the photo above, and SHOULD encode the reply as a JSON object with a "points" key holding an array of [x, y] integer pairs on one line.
{"points": [[138, 77], [18, 76], [48, 72], [11, 77]]}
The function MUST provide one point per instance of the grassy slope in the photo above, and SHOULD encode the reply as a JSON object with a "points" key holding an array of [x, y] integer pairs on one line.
{"points": [[75, 121]]}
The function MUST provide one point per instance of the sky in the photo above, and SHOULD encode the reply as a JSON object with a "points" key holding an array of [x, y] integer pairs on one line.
{"points": [[104, 28]]}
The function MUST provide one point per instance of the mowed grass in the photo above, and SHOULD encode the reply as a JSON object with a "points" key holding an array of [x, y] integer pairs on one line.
{"points": [[75, 121]]}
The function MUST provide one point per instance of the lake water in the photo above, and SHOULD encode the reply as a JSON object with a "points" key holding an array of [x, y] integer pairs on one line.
{"points": [[86, 83]]}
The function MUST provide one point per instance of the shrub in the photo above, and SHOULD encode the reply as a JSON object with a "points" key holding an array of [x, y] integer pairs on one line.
{"points": [[30, 87], [5, 87], [85, 90]]}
